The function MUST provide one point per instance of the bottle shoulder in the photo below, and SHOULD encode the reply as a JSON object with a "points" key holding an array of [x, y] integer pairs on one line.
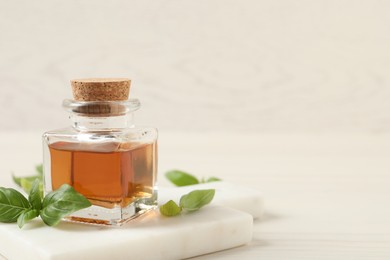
{"points": [[71, 134], [74, 131]]}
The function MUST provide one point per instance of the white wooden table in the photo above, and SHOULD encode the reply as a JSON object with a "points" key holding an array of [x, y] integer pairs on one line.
{"points": [[326, 196]]}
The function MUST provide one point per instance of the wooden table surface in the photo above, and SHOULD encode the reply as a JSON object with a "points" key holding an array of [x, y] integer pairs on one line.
{"points": [[326, 196]]}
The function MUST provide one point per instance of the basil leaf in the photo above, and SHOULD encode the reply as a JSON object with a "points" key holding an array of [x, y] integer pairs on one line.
{"points": [[212, 179], [26, 216], [39, 169], [180, 178], [27, 182], [196, 199], [12, 204], [18, 180], [60, 203], [35, 197], [170, 209]]}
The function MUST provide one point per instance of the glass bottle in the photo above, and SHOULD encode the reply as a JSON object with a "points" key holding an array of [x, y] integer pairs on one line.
{"points": [[103, 155]]}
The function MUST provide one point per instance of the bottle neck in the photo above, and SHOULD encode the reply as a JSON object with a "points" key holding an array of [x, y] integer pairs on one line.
{"points": [[101, 115], [109, 123]]}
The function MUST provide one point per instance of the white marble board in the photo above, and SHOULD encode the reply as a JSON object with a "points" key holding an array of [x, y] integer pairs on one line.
{"points": [[211, 229]]}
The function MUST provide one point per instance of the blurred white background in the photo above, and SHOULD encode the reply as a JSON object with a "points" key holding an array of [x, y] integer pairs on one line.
{"points": [[205, 65]]}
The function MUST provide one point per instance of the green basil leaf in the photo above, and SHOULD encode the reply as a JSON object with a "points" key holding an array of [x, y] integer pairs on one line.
{"points": [[60, 203], [26, 216], [35, 196], [18, 180], [12, 204], [212, 179], [170, 209], [26, 183], [39, 169], [196, 199], [180, 178]]}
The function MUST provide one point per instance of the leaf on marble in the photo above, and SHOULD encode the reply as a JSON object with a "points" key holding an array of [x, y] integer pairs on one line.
{"points": [[170, 209], [212, 179], [180, 178], [196, 199]]}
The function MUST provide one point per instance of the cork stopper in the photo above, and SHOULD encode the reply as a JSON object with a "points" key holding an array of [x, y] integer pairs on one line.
{"points": [[101, 89]]}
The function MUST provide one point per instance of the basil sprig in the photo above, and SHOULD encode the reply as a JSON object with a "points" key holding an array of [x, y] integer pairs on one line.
{"points": [[190, 202], [181, 178], [14, 207]]}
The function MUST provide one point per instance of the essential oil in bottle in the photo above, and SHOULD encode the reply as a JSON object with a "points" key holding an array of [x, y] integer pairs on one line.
{"points": [[103, 155]]}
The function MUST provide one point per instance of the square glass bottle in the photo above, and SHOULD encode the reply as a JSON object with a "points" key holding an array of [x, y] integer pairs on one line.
{"points": [[103, 155]]}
